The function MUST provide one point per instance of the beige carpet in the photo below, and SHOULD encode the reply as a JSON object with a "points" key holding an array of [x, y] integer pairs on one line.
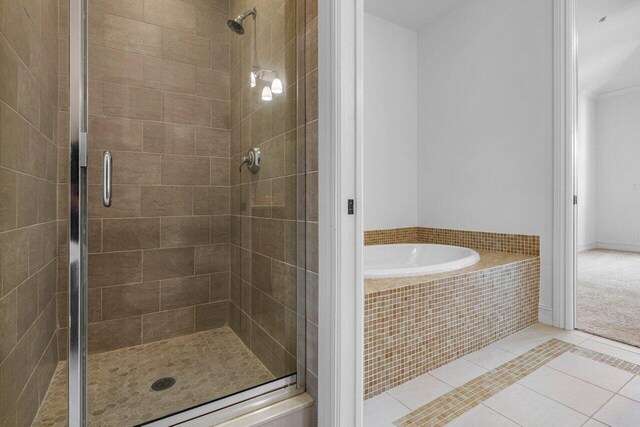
{"points": [[608, 295]]}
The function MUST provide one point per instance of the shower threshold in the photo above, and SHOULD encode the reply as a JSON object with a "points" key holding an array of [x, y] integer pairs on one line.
{"points": [[205, 366]]}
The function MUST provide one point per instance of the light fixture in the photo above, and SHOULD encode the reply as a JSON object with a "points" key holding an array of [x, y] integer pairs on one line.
{"points": [[253, 79], [266, 94], [276, 85]]}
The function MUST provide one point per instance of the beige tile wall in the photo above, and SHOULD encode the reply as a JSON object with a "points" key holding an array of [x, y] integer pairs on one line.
{"points": [[311, 199], [28, 172], [159, 100], [267, 221], [502, 242]]}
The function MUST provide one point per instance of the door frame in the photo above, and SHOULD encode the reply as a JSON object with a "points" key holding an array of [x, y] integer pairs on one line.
{"points": [[341, 287], [78, 252], [565, 102]]}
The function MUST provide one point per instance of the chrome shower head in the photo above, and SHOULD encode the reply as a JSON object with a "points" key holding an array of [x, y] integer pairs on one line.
{"points": [[236, 25]]}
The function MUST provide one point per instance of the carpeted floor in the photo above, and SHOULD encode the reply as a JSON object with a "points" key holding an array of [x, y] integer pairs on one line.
{"points": [[608, 295]]}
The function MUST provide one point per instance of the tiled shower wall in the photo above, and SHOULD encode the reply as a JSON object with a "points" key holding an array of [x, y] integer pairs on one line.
{"points": [[266, 221], [28, 104], [274, 213], [159, 101], [311, 199]]}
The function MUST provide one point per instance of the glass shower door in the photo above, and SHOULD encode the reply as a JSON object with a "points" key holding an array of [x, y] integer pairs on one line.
{"points": [[186, 275]]}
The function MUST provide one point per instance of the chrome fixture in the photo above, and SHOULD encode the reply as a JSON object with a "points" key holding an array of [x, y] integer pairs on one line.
{"points": [[236, 25], [252, 159], [106, 179], [78, 248]]}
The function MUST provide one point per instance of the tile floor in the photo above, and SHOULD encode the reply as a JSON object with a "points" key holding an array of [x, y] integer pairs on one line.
{"points": [[206, 366], [569, 390]]}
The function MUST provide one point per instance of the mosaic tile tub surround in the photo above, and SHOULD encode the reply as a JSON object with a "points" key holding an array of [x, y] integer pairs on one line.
{"points": [[414, 325], [500, 242]]}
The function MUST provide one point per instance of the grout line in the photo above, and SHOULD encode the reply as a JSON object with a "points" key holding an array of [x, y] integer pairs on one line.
{"points": [[499, 413], [397, 400], [610, 398], [552, 399], [581, 379]]}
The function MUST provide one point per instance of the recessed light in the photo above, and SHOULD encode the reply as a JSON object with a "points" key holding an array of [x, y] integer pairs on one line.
{"points": [[604, 18]]}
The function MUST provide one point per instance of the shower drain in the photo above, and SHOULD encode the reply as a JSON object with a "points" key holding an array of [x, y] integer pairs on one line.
{"points": [[163, 384]]}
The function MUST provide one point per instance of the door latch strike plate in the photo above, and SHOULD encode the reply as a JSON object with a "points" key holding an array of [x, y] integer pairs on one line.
{"points": [[350, 209]]}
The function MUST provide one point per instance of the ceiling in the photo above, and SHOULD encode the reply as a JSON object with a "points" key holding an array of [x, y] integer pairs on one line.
{"points": [[412, 14], [608, 52]]}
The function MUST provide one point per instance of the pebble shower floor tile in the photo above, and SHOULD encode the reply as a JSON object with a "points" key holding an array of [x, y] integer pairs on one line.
{"points": [[206, 366]]}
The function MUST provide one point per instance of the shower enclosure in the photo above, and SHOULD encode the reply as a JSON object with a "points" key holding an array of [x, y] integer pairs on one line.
{"points": [[159, 272]]}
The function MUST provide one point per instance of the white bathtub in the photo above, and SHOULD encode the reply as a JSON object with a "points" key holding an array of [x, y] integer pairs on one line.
{"points": [[415, 259]]}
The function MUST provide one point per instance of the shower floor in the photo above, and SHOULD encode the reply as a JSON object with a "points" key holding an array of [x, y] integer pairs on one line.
{"points": [[206, 366]]}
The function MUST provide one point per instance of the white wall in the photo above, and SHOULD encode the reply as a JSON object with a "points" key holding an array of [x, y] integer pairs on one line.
{"points": [[586, 166], [390, 125], [618, 134], [485, 122]]}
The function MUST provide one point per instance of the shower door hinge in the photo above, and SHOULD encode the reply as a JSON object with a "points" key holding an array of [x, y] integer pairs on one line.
{"points": [[83, 149], [575, 199]]}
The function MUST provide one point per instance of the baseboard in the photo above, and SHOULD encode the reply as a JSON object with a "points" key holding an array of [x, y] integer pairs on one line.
{"points": [[587, 246], [545, 314], [628, 247]]}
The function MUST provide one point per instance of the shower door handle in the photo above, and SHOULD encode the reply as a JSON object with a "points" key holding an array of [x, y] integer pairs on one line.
{"points": [[106, 179]]}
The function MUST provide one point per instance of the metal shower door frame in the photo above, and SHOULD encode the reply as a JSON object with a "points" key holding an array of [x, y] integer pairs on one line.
{"points": [[78, 258]]}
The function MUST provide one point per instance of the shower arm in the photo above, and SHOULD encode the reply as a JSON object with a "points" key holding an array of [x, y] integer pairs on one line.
{"points": [[248, 13]]}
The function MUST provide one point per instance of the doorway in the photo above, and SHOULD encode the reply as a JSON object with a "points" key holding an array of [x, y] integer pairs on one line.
{"points": [[607, 180]]}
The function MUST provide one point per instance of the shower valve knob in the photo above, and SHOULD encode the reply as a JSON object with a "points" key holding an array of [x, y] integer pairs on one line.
{"points": [[252, 159]]}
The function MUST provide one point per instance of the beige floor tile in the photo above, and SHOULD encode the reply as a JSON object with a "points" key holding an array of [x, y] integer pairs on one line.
{"points": [[419, 391], [528, 338], [570, 391], [594, 423], [382, 411], [581, 333], [616, 344], [528, 408], [572, 337], [620, 412], [632, 389], [481, 416], [490, 357], [458, 372], [611, 350], [591, 371]]}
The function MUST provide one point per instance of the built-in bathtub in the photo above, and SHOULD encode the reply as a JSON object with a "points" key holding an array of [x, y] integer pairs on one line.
{"points": [[415, 259], [419, 321]]}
